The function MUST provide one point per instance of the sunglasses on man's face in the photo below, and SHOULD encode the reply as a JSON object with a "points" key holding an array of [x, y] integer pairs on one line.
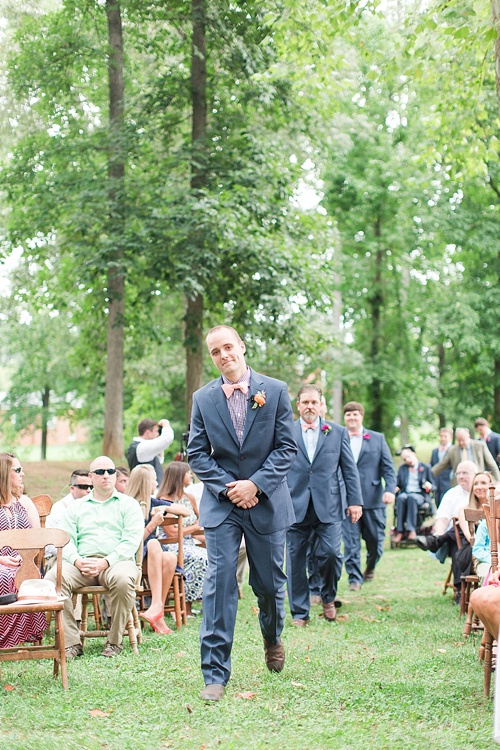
{"points": [[83, 486], [101, 472], [18, 469]]}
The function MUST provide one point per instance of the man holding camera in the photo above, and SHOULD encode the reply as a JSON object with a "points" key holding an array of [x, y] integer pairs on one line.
{"points": [[147, 448]]}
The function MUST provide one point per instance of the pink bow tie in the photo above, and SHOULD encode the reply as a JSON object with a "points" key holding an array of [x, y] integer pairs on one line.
{"points": [[306, 426], [354, 434], [230, 388]]}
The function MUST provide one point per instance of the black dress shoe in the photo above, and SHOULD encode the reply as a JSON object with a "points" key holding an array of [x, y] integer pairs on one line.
{"points": [[429, 543]]}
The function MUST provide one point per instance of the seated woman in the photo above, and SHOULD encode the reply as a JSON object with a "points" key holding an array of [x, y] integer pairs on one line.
{"points": [[16, 512], [477, 497], [161, 564], [176, 478], [481, 552], [414, 482]]}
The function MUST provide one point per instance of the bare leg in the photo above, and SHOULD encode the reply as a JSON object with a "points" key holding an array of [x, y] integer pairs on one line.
{"points": [[486, 605], [161, 569]]}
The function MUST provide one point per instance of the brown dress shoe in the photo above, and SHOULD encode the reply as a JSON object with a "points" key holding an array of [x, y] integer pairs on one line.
{"points": [[369, 574], [274, 655], [300, 623], [212, 692], [329, 611]]}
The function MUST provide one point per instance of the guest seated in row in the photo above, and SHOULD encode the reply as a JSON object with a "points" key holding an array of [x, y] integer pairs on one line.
{"points": [[442, 541], [16, 512], [176, 479], [477, 498], [105, 529], [414, 483], [161, 564], [485, 602], [481, 551]]}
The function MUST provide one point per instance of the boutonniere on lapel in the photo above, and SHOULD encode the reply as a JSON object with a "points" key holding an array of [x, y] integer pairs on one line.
{"points": [[488, 439], [325, 429], [420, 469], [366, 436], [259, 399]]}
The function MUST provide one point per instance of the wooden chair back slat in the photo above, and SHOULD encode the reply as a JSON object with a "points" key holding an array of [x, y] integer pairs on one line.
{"points": [[43, 504]]}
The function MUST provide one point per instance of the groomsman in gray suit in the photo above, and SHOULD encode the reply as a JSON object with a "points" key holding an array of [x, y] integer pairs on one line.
{"points": [[241, 446], [319, 504]]}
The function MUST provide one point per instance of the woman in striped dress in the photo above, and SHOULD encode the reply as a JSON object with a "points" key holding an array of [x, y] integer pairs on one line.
{"points": [[16, 512]]}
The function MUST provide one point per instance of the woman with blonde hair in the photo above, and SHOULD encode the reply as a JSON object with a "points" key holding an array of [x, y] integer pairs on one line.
{"points": [[477, 497], [16, 512], [161, 563], [176, 479]]}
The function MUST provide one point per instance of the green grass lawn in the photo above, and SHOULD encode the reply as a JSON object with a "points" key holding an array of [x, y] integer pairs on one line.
{"points": [[393, 672]]}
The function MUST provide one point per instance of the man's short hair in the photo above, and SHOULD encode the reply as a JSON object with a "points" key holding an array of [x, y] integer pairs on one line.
{"points": [[481, 421], [354, 406], [145, 425], [309, 387], [462, 429], [446, 429], [227, 328], [78, 473], [122, 470]]}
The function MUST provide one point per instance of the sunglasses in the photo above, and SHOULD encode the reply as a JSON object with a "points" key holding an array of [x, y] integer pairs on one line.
{"points": [[18, 469], [83, 486], [101, 472]]}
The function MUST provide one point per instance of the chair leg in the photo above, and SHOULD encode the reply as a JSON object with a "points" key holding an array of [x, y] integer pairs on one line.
{"points": [[137, 624], [83, 624], [447, 583], [132, 634], [487, 663], [468, 622], [61, 645], [464, 595]]}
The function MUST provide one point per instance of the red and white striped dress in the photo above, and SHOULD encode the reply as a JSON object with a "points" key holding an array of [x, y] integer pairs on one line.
{"points": [[15, 629]]}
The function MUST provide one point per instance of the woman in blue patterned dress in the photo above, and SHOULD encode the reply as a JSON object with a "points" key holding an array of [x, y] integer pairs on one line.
{"points": [[16, 512], [176, 479]]}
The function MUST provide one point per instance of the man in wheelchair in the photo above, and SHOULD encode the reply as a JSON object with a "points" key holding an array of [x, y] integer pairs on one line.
{"points": [[413, 496]]}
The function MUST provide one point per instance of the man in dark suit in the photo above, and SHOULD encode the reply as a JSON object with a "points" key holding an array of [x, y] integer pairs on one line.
{"points": [[241, 446], [375, 464], [414, 482], [467, 449], [492, 439], [442, 482], [318, 505]]}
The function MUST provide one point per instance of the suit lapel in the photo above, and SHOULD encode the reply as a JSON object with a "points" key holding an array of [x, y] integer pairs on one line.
{"points": [[299, 438], [363, 441], [220, 402], [321, 440], [256, 384]]}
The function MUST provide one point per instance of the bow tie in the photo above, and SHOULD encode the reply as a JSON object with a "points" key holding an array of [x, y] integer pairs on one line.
{"points": [[354, 434], [230, 388], [306, 426]]}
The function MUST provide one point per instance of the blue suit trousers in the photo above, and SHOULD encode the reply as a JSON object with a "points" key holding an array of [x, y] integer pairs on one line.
{"points": [[220, 592], [370, 527]]}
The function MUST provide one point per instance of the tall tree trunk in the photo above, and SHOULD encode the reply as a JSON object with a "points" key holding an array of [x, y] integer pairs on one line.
{"points": [[113, 415], [45, 419], [376, 303], [496, 396], [337, 383], [495, 9], [193, 329], [441, 371]]}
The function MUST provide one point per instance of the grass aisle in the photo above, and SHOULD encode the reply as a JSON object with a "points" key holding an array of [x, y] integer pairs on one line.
{"points": [[392, 673]]}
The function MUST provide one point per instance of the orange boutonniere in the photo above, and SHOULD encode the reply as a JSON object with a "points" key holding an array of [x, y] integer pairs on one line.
{"points": [[259, 400]]}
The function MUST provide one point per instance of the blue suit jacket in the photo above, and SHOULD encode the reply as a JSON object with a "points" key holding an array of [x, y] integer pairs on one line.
{"points": [[424, 475], [319, 480], [374, 463], [265, 455], [442, 481], [493, 443]]}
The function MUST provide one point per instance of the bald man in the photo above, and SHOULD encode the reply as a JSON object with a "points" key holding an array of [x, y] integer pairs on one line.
{"points": [[105, 529]]}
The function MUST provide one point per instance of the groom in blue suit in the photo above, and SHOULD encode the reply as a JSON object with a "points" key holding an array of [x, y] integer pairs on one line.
{"points": [[241, 446], [319, 504]]}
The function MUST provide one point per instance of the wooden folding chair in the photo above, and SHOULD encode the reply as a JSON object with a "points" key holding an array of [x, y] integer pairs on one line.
{"points": [[176, 597], [470, 582], [30, 542], [492, 515]]}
